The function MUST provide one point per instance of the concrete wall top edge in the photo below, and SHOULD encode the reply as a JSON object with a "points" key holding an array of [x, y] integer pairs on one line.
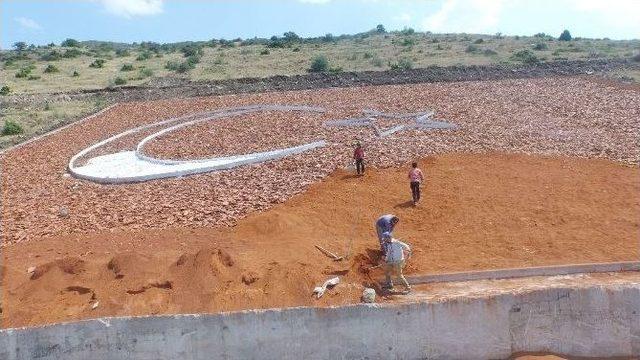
{"points": [[420, 301]]}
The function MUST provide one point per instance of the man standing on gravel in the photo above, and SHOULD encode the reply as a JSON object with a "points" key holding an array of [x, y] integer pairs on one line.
{"points": [[385, 224], [358, 156], [395, 260], [415, 178]]}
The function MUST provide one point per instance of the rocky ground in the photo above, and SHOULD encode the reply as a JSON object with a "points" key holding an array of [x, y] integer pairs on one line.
{"points": [[551, 116]]}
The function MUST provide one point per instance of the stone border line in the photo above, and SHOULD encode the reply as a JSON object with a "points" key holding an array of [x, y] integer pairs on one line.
{"points": [[135, 166], [233, 112], [552, 270], [422, 121]]}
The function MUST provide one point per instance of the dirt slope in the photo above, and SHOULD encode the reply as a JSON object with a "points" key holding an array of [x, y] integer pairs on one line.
{"points": [[478, 212]]}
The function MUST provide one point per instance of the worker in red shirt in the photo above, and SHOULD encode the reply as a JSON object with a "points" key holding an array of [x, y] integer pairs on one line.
{"points": [[358, 156], [415, 178]]}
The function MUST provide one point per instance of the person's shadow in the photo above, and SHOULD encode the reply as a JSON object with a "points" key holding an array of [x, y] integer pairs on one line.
{"points": [[404, 205]]}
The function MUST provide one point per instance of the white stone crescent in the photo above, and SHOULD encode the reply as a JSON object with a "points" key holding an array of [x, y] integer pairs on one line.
{"points": [[136, 166]]}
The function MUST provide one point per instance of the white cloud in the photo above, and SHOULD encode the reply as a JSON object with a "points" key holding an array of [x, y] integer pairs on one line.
{"points": [[471, 16], [131, 8], [27, 23], [619, 13]]}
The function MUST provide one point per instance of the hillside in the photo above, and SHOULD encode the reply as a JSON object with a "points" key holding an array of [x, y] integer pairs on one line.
{"points": [[30, 76], [101, 64]]}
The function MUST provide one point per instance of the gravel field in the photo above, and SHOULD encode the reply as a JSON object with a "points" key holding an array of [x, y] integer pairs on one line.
{"points": [[548, 116]]}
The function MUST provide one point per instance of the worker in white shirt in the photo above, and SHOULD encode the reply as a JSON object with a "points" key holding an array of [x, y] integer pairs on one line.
{"points": [[395, 260]]}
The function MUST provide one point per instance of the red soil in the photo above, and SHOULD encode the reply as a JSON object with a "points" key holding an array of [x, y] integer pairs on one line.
{"points": [[478, 212]]}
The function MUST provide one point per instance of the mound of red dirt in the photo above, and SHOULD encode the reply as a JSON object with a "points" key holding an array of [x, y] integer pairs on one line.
{"points": [[477, 212]]}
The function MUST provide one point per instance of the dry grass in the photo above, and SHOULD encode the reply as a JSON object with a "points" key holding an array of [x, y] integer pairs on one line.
{"points": [[38, 119]]}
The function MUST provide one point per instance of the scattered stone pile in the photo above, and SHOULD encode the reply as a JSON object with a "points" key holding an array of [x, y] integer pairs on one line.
{"points": [[554, 116]]}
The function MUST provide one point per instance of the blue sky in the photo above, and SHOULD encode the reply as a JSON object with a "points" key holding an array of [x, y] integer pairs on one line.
{"points": [[42, 22]]}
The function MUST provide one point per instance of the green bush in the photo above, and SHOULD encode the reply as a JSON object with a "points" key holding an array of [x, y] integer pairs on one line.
{"points": [[368, 55], [636, 57], [97, 63], [195, 59], [51, 69], [75, 74], [126, 67], [335, 70], [171, 65], [264, 52], [5, 90], [328, 38], [70, 43], [490, 52], [402, 64], [380, 29], [119, 81], [472, 49], [52, 55], [192, 50], [407, 31], [122, 53], [540, 46], [319, 64], [145, 55], [479, 41], [526, 57], [20, 46], [408, 42], [565, 36], [181, 67], [33, 77], [145, 73], [184, 67], [24, 72], [11, 128], [296, 49], [72, 53]]}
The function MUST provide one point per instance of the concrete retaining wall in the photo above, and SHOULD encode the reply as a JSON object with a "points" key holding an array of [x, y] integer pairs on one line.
{"points": [[591, 321], [512, 273]]}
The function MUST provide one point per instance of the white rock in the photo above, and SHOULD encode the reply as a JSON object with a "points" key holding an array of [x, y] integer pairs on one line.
{"points": [[369, 295]]}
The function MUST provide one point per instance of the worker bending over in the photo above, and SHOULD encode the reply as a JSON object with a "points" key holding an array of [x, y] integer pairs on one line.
{"points": [[395, 260], [385, 223]]}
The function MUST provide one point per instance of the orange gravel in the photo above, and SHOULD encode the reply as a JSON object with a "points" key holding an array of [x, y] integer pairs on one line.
{"points": [[478, 212]]}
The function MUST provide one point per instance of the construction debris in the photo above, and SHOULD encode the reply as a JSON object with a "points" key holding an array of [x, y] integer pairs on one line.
{"points": [[329, 253], [318, 291]]}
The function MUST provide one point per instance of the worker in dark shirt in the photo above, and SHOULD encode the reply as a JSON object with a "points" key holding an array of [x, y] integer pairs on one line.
{"points": [[358, 156]]}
